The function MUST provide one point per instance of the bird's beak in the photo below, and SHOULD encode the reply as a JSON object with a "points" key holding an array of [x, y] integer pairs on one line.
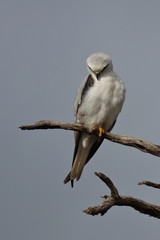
{"points": [[97, 74]]}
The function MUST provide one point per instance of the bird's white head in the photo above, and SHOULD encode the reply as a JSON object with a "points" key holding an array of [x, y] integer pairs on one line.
{"points": [[99, 63]]}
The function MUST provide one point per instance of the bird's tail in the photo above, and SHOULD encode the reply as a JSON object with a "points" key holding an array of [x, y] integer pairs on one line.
{"points": [[79, 162], [78, 165], [80, 159]]}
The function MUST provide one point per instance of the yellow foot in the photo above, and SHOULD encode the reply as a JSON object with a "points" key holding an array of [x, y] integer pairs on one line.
{"points": [[100, 130]]}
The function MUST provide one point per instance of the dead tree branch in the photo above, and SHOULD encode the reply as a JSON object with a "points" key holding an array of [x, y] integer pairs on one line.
{"points": [[140, 144], [150, 184], [116, 200]]}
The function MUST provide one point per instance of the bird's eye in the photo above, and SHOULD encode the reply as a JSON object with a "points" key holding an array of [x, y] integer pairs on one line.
{"points": [[105, 67]]}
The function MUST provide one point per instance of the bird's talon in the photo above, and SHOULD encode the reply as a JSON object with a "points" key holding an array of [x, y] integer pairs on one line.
{"points": [[101, 131]]}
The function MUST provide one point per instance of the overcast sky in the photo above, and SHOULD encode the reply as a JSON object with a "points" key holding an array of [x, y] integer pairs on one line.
{"points": [[43, 49]]}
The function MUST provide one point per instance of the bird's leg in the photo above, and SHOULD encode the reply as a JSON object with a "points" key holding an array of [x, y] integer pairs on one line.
{"points": [[100, 130]]}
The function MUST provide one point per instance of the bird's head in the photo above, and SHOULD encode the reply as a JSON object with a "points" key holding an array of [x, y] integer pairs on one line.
{"points": [[99, 63]]}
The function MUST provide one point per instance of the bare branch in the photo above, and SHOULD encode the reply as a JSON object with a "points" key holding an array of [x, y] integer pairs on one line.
{"points": [[140, 144], [117, 200], [150, 184], [109, 183]]}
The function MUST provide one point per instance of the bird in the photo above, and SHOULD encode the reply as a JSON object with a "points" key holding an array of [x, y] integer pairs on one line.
{"points": [[99, 101]]}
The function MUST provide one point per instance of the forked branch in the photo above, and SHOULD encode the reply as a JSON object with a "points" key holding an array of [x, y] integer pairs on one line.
{"points": [[116, 200]]}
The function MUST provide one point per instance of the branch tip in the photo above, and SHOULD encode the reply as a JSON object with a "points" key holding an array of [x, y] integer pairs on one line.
{"points": [[150, 184]]}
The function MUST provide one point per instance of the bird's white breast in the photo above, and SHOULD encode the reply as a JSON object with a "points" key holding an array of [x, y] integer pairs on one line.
{"points": [[103, 102]]}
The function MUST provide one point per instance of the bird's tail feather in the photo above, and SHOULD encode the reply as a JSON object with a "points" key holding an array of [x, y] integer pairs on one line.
{"points": [[67, 179], [82, 154], [79, 163]]}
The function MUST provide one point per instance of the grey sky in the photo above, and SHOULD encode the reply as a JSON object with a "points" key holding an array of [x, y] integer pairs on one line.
{"points": [[44, 46]]}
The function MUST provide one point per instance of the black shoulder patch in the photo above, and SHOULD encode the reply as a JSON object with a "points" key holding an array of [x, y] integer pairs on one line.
{"points": [[89, 83]]}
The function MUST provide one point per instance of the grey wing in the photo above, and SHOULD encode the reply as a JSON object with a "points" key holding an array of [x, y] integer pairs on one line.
{"points": [[85, 85], [77, 104], [79, 96], [78, 101]]}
